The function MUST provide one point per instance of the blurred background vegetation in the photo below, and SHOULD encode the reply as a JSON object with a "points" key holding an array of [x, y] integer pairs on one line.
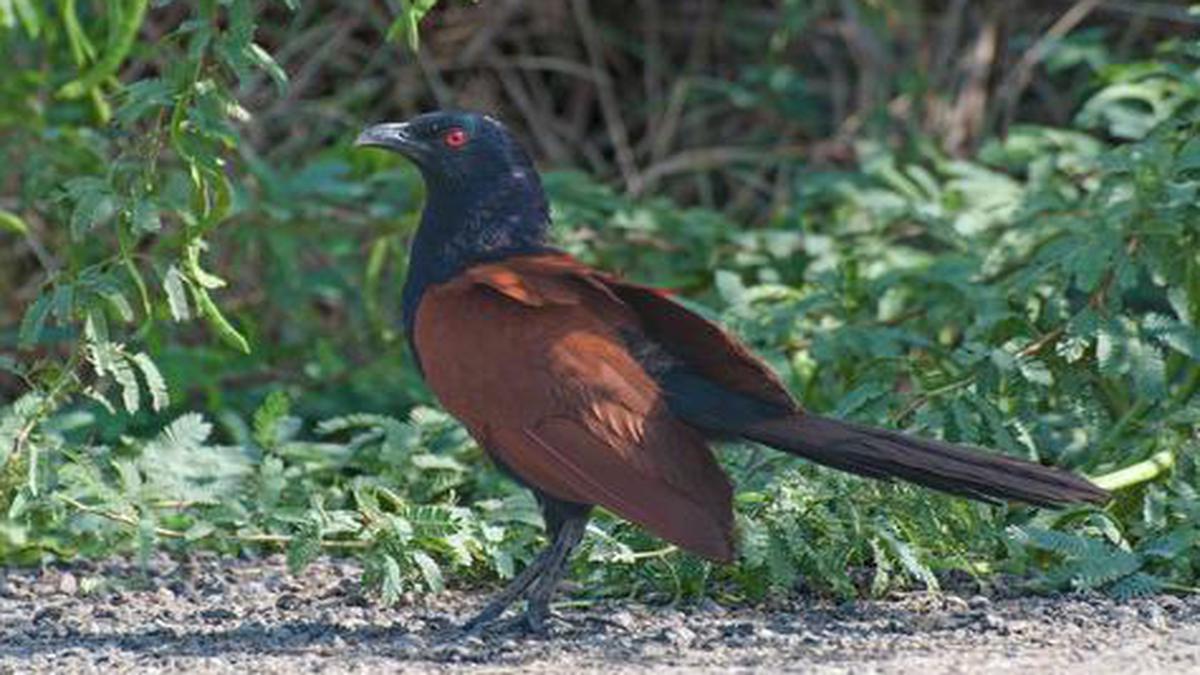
{"points": [[975, 220]]}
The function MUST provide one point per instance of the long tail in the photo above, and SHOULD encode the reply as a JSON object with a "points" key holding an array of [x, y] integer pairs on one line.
{"points": [[880, 453]]}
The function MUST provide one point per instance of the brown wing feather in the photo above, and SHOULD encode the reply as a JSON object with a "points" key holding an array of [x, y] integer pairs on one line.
{"points": [[702, 344], [528, 354], [705, 346]]}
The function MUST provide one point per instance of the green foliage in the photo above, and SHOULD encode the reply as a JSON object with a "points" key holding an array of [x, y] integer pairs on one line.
{"points": [[1039, 297]]}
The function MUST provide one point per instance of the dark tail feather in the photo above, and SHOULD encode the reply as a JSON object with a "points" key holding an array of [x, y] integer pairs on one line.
{"points": [[880, 453]]}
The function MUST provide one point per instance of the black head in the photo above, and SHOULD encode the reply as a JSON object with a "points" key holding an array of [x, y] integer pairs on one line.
{"points": [[484, 199], [452, 148]]}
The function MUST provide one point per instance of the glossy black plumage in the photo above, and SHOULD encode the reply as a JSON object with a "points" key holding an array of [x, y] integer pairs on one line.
{"points": [[595, 391]]}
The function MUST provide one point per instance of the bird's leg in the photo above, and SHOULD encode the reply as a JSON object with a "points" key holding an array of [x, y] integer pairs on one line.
{"points": [[565, 523], [515, 589], [538, 599]]}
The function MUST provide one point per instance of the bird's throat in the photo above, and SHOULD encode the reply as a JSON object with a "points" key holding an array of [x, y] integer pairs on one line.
{"points": [[464, 225]]}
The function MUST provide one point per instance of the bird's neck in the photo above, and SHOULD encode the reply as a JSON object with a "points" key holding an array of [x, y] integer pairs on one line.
{"points": [[461, 227]]}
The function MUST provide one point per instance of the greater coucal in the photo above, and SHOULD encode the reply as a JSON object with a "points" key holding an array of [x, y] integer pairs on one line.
{"points": [[591, 390]]}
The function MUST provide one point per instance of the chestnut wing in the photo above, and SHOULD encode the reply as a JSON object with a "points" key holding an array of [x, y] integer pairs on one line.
{"points": [[529, 354]]}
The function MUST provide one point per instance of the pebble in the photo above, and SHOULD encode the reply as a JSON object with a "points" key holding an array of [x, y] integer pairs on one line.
{"points": [[622, 618], [680, 636], [68, 584], [1155, 616], [978, 602], [47, 615], [169, 628], [288, 602], [217, 615], [992, 621], [954, 603]]}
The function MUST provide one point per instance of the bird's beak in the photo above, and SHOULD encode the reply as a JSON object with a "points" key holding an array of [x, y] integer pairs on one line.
{"points": [[393, 136]]}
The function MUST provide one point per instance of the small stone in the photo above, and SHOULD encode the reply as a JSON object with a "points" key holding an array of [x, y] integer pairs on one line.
{"points": [[1123, 614], [217, 615], [622, 619], [739, 629], [1154, 616], [181, 588], [810, 638], [953, 603], [978, 602], [680, 636], [710, 606], [288, 602], [992, 621], [47, 615], [68, 584], [1171, 603]]}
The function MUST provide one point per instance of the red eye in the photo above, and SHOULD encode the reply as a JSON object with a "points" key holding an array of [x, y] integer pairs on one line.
{"points": [[455, 138]]}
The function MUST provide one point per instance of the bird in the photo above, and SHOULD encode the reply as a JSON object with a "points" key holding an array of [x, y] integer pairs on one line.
{"points": [[591, 390]]}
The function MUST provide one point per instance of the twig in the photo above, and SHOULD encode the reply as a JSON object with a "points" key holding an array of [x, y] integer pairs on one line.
{"points": [[929, 396], [703, 159], [1041, 343], [970, 110], [542, 132], [281, 539], [485, 37], [1018, 80], [609, 108]]}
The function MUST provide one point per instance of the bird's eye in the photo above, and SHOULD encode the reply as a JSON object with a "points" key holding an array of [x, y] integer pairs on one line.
{"points": [[455, 138]]}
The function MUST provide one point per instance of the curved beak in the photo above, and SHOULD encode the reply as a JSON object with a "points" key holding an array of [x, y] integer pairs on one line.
{"points": [[393, 136]]}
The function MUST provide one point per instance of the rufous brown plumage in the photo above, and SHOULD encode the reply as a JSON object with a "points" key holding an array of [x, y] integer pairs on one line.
{"points": [[593, 391]]}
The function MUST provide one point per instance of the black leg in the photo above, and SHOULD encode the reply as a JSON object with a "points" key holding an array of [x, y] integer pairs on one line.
{"points": [[555, 567], [565, 524], [515, 589]]}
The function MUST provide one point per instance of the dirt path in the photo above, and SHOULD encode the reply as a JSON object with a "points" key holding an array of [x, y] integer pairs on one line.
{"points": [[221, 616]]}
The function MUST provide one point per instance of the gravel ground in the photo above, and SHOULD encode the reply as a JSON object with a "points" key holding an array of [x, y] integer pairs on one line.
{"points": [[211, 615]]}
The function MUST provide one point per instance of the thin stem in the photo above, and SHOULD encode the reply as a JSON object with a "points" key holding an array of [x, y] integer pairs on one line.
{"points": [[281, 539]]}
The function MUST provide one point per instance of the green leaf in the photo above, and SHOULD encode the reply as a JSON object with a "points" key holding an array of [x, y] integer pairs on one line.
{"points": [[731, 288], [262, 59], [405, 26], [267, 418], [143, 96], [188, 432], [1148, 369], [159, 397], [117, 301], [429, 571], [126, 378], [11, 222], [305, 545], [30, 20], [125, 21], [1036, 371], [392, 582], [92, 208], [217, 321], [173, 284], [145, 217], [33, 322]]}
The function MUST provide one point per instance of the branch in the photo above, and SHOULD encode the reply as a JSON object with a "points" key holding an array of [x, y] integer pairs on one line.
{"points": [[281, 539]]}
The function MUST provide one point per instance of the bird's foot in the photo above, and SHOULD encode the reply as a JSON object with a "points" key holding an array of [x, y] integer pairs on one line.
{"points": [[488, 614], [537, 620]]}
